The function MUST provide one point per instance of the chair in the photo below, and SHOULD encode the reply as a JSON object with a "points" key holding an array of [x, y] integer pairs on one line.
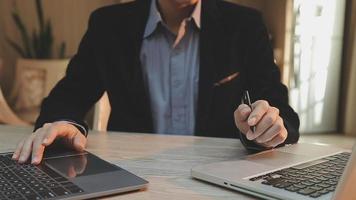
{"points": [[7, 116], [101, 113]]}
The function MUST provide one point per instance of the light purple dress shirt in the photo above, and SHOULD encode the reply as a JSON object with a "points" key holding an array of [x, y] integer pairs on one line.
{"points": [[171, 71]]}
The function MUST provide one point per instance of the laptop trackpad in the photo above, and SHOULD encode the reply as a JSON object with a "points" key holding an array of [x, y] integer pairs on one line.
{"points": [[276, 158], [82, 164]]}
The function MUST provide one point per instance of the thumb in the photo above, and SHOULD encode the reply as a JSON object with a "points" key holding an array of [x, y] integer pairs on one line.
{"points": [[79, 142], [241, 114]]}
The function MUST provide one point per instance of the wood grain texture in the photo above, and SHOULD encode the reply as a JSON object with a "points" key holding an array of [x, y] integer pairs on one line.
{"points": [[165, 161]]}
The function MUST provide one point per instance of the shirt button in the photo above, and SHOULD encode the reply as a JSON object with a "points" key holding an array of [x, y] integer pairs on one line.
{"points": [[175, 69], [177, 83], [177, 119], [175, 52], [179, 48]]}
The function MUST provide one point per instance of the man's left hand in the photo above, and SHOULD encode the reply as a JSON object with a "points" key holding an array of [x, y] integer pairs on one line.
{"points": [[270, 130]]}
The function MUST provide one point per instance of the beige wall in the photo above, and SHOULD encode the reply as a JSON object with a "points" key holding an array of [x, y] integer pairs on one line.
{"points": [[69, 19], [274, 14]]}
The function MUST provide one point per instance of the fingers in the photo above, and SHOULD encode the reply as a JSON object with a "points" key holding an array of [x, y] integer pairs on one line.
{"points": [[59, 129], [26, 149], [28, 146], [79, 142], [35, 144], [241, 114], [38, 147], [37, 150], [267, 121], [18, 150], [259, 108], [271, 132], [278, 139]]}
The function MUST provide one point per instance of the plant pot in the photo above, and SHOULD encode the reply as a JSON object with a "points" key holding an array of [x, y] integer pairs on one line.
{"points": [[34, 80]]}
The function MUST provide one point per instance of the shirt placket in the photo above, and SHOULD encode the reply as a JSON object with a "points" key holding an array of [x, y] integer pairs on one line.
{"points": [[178, 77]]}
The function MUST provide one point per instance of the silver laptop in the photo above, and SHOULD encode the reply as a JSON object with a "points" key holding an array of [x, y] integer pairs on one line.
{"points": [[300, 171], [64, 174]]}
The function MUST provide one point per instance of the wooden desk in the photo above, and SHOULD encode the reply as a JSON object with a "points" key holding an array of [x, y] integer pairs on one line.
{"points": [[165, 161]]}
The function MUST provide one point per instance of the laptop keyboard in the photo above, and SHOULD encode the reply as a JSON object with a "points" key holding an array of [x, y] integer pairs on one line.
{"points": [[313, 179], [31, 182]]}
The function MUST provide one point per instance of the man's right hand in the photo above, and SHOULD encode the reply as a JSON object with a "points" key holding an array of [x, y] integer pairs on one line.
{"points": [[35, 144]]}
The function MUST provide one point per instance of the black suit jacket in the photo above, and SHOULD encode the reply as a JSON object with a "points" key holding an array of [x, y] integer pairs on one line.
{"points": [[232, 39]]}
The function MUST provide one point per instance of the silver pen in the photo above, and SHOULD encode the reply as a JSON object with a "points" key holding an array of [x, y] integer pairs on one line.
{"points": [[246, 100]]}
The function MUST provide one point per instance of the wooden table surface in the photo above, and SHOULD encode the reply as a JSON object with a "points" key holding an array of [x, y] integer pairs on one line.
{"points": [[165, 161]]}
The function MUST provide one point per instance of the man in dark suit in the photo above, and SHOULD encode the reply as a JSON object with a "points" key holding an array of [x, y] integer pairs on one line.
{"points": [[170, 67]]}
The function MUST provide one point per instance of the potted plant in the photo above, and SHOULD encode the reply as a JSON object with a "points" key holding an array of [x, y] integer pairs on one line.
{"points": [[38, 69]]}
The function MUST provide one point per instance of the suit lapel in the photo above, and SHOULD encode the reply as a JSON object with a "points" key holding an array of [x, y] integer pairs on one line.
{"points": [[132, 71], [139, 88], [211, 58]]}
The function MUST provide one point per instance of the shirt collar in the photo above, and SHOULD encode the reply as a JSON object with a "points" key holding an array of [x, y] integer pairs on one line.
{"points": [[155, 17], [197, 14]]}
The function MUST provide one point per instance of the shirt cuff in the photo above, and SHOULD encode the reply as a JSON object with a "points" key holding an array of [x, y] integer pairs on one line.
{"points": [[80, 127]]}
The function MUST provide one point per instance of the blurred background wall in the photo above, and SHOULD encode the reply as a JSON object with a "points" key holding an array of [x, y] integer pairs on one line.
{"points": [[69, 19], [348, 79]]}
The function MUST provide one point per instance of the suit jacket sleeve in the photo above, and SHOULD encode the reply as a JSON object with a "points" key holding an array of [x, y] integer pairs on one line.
{"points": [[81, 87], [263, 78]]}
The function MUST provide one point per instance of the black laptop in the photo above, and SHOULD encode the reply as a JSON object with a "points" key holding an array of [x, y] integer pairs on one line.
{"points": [[64, 174]]}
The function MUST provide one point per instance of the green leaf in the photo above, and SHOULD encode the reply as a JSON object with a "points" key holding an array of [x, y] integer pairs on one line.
{"points": [[16, 47], [24, 34], [62, 50], [39, 10], [49, 39], [35, 44], [40, 44]]}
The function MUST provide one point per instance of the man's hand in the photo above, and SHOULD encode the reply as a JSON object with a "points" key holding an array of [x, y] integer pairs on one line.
{"points": [[270, 130], [35, 144]]}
